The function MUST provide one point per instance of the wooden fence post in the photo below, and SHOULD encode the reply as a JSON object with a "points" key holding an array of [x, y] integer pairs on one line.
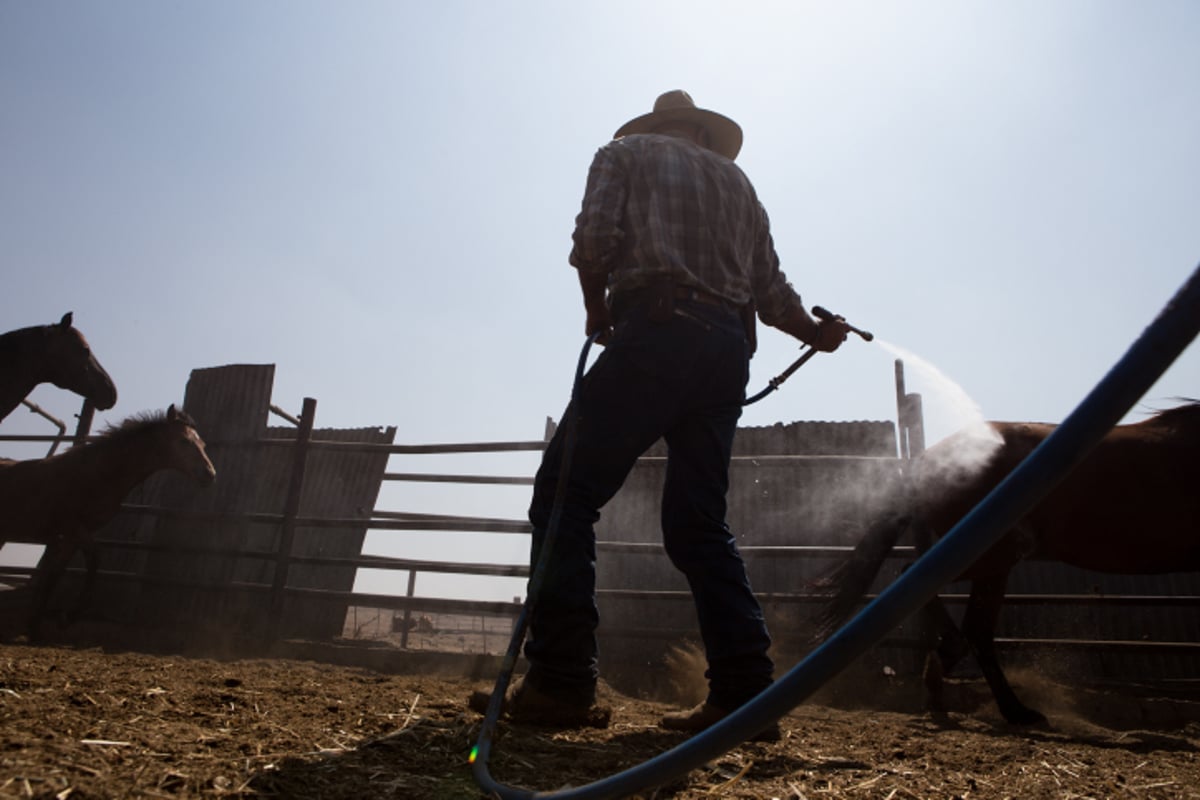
{"points": [[407, 623], [287, 531], [910, 418], [86, 413]]}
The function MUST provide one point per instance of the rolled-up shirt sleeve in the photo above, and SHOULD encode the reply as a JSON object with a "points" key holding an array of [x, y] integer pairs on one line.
{"points": [[598, 236]]}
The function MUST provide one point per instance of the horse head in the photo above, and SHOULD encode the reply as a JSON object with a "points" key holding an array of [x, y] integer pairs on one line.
{"points": [[187, 451], [71, 365]]}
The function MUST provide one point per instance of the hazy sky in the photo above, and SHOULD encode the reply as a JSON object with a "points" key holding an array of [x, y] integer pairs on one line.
{"points": [[378, 197]]}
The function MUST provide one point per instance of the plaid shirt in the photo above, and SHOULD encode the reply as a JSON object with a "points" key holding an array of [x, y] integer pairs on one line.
{"points": [[659, 206]]}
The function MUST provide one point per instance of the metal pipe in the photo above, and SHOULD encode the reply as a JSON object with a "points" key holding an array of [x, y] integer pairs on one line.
{"points": [[279, 412], [44, 414]]}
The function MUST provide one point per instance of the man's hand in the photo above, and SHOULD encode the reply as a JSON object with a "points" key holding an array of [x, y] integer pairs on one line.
{"points": [[830, 334], [826, 335], [599, 319]]}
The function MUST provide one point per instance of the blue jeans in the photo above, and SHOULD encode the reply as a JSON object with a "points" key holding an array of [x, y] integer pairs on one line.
{"points": [[682, 379]]}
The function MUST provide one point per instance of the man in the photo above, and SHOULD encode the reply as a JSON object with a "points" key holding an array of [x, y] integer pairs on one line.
{"points": [[674, 256]]}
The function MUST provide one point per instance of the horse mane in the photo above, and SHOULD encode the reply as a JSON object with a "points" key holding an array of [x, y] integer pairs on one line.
{"points": [[10, 341], [1187, 411], [133, 425]]}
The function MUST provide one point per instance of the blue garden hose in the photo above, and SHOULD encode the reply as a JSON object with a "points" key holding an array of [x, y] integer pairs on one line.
{"points": [[482, 750], [1132, 376]]}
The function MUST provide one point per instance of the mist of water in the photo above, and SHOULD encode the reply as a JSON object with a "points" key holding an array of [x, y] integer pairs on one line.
{"points": [[948, 409]]}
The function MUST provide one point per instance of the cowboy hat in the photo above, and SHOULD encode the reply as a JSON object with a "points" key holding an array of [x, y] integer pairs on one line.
{"points": [[725, 134]]}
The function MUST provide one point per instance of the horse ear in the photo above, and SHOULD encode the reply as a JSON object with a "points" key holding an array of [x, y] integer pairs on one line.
{"points": [[172, 413], [65, 322]]}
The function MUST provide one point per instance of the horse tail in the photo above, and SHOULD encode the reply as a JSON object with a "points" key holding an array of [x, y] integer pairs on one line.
{"points": [[846, 583]]}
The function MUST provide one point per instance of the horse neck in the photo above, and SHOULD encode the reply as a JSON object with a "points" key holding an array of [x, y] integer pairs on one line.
{"points": [[123, 462], [19, 363], [11, 397]]}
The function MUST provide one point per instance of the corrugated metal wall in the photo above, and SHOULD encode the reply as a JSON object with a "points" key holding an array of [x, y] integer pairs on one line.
{"points": [[1120, 621], [337, 485], [230, 405], [821, 499], [803, 484]]}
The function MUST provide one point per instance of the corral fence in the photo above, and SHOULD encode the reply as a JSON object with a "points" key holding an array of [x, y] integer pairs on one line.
{"points": [[270, 553]]}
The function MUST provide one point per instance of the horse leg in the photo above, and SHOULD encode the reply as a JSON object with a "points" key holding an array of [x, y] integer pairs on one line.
{"points": [[979, 626], [945, 646], [944, 643], [50, 568], [91, 561]]}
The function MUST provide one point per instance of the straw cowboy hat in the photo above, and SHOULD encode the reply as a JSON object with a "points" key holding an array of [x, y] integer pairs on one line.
{"points": [[725, 134]]}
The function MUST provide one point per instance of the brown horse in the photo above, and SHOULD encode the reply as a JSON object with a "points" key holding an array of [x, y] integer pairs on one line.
{"points": [[60, 501], [1131, 507], [55, 354]]}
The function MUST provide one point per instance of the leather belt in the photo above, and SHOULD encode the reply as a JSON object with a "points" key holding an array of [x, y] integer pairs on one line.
{"points": [[663, 299], [701, 296]]}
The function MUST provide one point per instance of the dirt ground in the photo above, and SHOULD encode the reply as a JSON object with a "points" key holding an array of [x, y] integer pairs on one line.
{"points": [[86, 723]]}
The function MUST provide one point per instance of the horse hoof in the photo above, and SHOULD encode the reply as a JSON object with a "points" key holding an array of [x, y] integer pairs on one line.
{"points": [[1024, 716]]}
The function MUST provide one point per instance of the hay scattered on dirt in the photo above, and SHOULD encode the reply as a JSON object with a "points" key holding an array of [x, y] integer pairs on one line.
{"points": [[89, 724]]}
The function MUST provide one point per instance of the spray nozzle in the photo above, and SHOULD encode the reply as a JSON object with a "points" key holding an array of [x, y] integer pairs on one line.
{"points": [[824, 313]]}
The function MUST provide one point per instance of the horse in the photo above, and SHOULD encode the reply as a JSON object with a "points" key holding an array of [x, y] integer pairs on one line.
{"points": [[55, 353], [62, 500], [1130, 507]]}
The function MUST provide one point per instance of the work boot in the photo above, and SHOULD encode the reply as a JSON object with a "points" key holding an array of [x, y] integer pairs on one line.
{"points": [[529, 705], [705, 716]]}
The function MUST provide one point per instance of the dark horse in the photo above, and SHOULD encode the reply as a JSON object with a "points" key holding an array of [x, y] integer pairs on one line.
{"points": [[1131, 507], [60, 501], [55, 354]]}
